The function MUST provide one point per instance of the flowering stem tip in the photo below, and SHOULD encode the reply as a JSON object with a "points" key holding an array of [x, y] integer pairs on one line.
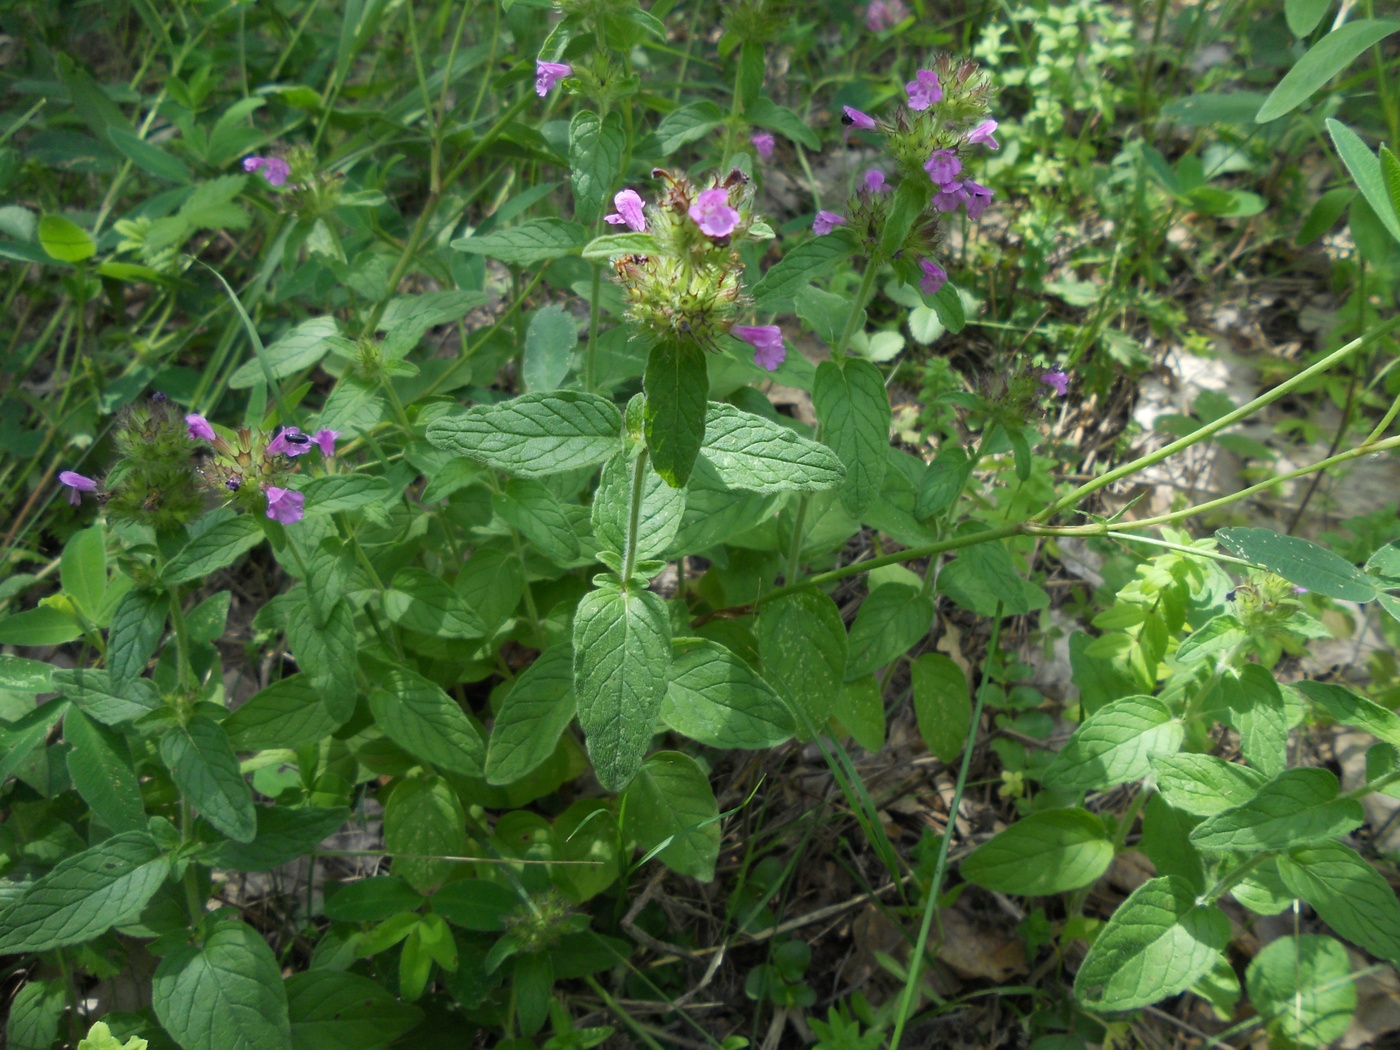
{"points": [[547, 74]]}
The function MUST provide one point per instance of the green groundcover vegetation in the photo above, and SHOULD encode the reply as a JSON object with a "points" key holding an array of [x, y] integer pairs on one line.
{"points": [[569, 524]]}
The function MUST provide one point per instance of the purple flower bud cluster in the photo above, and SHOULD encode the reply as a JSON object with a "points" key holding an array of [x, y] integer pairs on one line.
{"points": [[274, 169], [883, 15]]}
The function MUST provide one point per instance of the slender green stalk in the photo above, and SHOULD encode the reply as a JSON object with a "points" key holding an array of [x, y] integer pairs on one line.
{"points": [[1200, 434], [916, 960], [634, 517]]}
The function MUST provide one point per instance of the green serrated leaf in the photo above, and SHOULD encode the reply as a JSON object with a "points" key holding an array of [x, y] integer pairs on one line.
{"points": [[326, 654], [138, 622], [83, 569], [85, 895], [669, 808], [802, 642], [342, 492], [611, 245], [717, 699], [287, 714], [427, 723], [337, 1010], [799, 267], [984, 575], [1348, 894], [372, 900], [676, 383], [596, 148], [550, 339], [205, 769], [534, 435], [533, 509], [622, 662], [1158, 943], [93, 692], [854, 409], [284, 834], [220, 539], [1297, 808], [1203, 785], [532, 242], [1114, 744], [100, 764], [532, 718], [35, 627], [890, 621], [1257, 711], [151, 159], [223, 994], [1304, 989], [1042, 853], [658, 520], [942, 704], [295, 350], [1353, 709], [424, 824], [750, 452], [692, 121], [422, 602]]}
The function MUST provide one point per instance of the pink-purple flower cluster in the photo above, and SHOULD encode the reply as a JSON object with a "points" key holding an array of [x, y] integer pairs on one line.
{"points": [[274, 169], [763, 144], [883, 15], [712, 213], [547, 74], [1057, 381], [629, 212], [767, 342]]}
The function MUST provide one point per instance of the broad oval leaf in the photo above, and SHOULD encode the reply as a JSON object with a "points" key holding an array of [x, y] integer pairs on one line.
{"points": [[1297, 808], [532, 717], [716, 698], [1353, 709], [670, 810], [854, 409], [891, 620], [802, 642], [424, 829], [660, 515], [291, 352], [1348, 894], [222, 537], [205, 769], [1113, 745], [223, 994], [284, 834], [85, 895], [942, 704], [535, 435], [427, 723], [1049, 852], [754, 453], [676, 383], [100, 764], [622, 660], [1304, 989], [64, 240], [534, 241], [338, 1010], [287, 714], [1203, 785], [1158, 943]]}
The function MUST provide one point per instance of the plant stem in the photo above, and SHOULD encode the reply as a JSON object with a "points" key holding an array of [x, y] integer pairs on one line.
{"points": [[1199, 435], [634, 517], [916, 959]]}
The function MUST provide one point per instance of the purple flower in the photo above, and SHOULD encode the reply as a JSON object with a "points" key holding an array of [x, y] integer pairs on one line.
{"points": [[767, 343], [826, 221], [875, 181], [978, 197], [981, 135], [284, 505], [950, 197], [763, 142], [712, 213], [274, 169], [1058, 381], [942, 166], [934, 277], [629, 211], [856, 119], [200, 430], [547, 74], [883, 15], [77, 484], [289, 442], [325, 440], [923, 90]]}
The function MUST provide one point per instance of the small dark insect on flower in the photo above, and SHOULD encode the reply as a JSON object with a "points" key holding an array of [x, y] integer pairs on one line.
{"points": [[297, 439], [158, 397], [233, 484], [152, 501], [722, 242]]}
